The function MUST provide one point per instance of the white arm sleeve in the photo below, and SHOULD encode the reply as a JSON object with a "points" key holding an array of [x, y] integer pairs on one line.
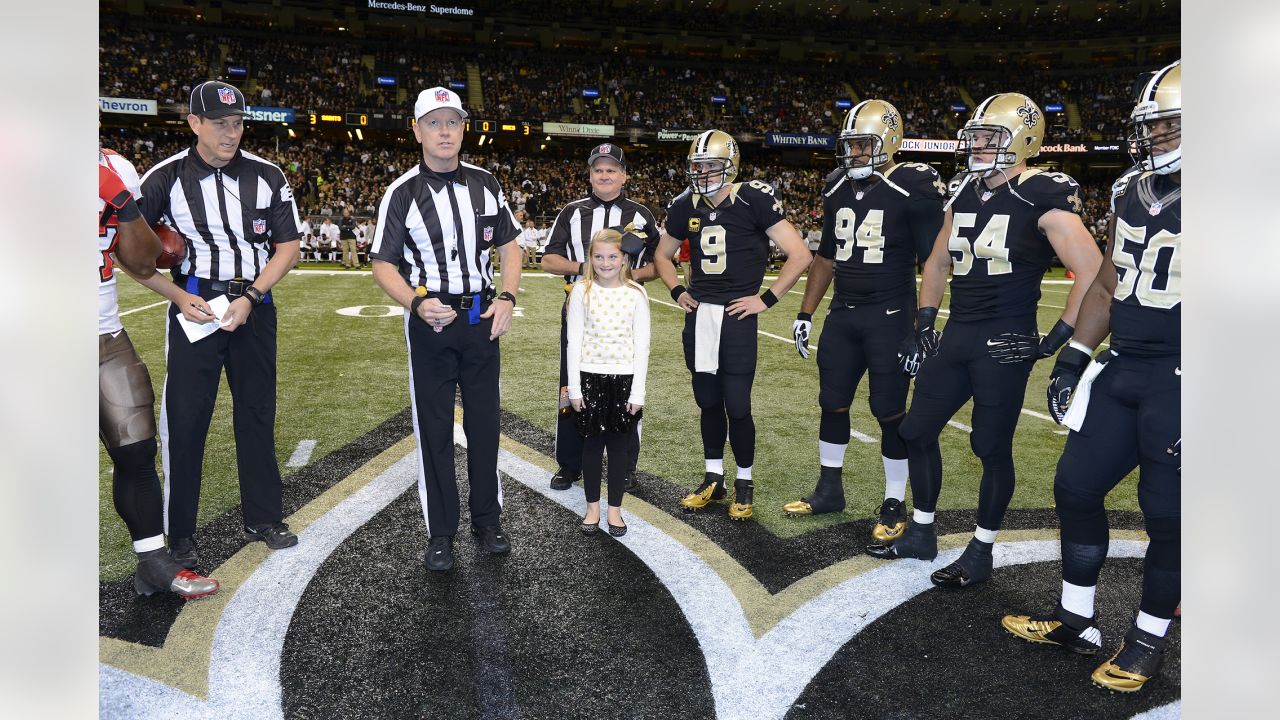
{"points": [[640, 343], [575, 322]]}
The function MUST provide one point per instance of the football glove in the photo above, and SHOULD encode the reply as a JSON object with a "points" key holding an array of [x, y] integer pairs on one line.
{"points": [[1009, 348], [921, 344], [1063, 380], [800, 330]]}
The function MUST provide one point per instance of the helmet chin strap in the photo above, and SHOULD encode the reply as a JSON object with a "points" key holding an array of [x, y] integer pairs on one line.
{"points": [[861, 172], [1166, 163]]}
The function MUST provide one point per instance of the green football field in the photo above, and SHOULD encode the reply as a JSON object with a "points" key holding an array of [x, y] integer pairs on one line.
{"points": [[340, 375]]}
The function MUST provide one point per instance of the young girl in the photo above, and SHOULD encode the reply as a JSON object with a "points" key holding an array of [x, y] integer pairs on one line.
{"points": [[608, 358]]}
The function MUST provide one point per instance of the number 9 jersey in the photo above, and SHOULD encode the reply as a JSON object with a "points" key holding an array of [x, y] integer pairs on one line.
{"points": [[998, 252], [1146, 312], [728, 244]]}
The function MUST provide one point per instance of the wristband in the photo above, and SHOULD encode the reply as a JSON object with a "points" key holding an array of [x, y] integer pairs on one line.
{"points": [[128, 211], [504, 295], [807, 317], [254, 295], [769, 298], [417, 300], [1081, 347], [926, 317], [1056, 338], [582, 269], [676, 292]]}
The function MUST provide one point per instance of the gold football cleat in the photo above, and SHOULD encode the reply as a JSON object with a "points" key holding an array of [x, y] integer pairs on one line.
{"points": [[1137, 661], [711, 491], [741, 507], [798, 507], [891, 523]]}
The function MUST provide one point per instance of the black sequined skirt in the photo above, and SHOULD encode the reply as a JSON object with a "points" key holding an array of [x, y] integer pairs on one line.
{"points": [[604, 399]]}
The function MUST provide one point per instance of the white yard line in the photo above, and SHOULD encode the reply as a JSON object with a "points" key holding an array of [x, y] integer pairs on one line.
{"points": [[859, 436], [301, 454], [144, 307]]}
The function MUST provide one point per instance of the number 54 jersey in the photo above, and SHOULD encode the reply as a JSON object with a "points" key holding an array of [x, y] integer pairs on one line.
{"points": [[998, 251], [877, 231], [1146, 311], [728, 244]]}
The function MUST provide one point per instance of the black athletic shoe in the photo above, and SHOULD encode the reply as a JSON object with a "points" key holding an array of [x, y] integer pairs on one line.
{"points": [[1134, 664], [440, 553], [276, 535], [973, 567], [1076, 633], [827, 497], [184, 551], [919, 542], [493, 539], [564, 479]]}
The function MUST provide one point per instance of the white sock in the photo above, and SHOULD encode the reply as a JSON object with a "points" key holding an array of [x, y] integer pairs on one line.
{"points": [[921, 517], [1152, 624], [830, 454], [715, 466], [1078, 599], [985, 535], [744, 473], [895, 478], [155, 542]]}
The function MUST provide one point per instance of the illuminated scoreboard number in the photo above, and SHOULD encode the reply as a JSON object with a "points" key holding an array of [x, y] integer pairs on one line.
{"points": [[518, 127], [324, 117], [354, 118]]}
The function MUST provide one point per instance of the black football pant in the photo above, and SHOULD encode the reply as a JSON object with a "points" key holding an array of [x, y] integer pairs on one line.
{"points": [[1133, 420], [964, 369], [460, 356], [863, 340], [190, 390], [725, 397], [127, 427], [568, 441]]}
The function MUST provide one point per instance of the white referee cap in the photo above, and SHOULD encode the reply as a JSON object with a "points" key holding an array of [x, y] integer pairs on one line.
{"points": [[436, 98]]}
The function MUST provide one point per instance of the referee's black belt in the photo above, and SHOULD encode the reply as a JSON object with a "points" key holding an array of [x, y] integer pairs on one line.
{"points": [[464, 302], [233, 288]]}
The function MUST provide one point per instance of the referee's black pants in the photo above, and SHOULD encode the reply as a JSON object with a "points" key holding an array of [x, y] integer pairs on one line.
{"points": [[461, 355], [190, 389], [568, 442]]}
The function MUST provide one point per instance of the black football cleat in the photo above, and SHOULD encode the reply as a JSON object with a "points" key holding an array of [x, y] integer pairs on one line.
{"points": [[919, 542], [828, 497], [1134, 664], [741, 507], [711, 490], [1076, 633], [159, 572], [564, 479], [184, 551], [972, 567], [892, 522]]}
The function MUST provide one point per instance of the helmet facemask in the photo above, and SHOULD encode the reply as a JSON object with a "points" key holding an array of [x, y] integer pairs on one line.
{"points": [[991, 156], [852, 147], [1142, 141], [709, 180]]}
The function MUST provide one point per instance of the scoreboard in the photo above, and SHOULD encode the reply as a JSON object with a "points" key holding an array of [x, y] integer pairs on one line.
{"points": [[515, 127], [383, 120]]}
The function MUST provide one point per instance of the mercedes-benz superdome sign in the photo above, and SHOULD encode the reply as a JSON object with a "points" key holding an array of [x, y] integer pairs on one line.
{"points": [[421, 9]]}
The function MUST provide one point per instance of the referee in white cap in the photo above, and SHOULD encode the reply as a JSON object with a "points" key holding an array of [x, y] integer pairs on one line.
{"points": [[606, 206], [436, 226]]}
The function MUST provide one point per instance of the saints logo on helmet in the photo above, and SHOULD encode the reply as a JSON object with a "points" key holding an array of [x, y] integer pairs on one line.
{"points": [[1005, 130], [871, 134], [712, 162], [1157, 121]]}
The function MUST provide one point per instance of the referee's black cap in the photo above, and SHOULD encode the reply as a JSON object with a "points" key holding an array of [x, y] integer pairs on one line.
{"points": [[213, 99], [607, 150]]}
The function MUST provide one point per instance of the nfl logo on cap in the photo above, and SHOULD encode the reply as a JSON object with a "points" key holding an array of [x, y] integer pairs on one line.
{"points": [[259, 226], [227, 95], [442, 96], [605, 149]]}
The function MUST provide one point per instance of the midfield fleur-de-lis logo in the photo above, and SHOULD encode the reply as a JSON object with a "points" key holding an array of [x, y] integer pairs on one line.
{"points": [[890, 119], [1030, 115]]}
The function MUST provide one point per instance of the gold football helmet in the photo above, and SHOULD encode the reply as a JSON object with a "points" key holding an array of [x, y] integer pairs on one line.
{"points": [[712, 162], [1159, 104], [874, 121], [1005, 130]]}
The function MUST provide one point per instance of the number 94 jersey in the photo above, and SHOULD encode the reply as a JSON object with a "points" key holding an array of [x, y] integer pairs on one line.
{"points": [[998, 253], [1146, 311], [728, 244], [876, 232]]}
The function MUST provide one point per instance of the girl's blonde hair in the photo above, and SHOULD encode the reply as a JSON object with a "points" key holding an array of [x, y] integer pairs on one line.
{"points": [[608, 236]]}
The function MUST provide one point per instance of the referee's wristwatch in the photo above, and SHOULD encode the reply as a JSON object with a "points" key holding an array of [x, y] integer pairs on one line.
{"points": [[254, 295], [504, 295]]}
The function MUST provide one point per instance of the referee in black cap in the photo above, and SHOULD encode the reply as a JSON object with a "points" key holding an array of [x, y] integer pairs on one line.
{"points": [[237, 214], [436, 227], [606, 206]]}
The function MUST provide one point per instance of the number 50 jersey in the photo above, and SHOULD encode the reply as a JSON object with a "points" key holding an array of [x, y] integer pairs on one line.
{"points": [[728, 244], [998, 252], [877, 231], [1146, 311]]}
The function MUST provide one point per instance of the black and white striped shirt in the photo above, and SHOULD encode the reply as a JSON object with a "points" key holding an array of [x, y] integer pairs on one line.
{"points": [[230, 216], [438, 232], [580, 220]]}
